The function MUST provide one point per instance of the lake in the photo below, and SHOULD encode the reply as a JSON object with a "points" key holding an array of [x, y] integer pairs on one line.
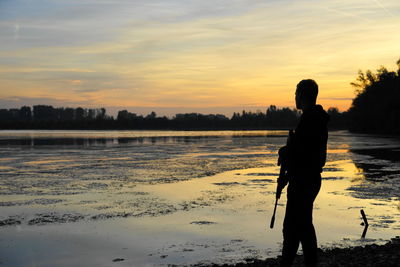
{"points": [[154, 198]]}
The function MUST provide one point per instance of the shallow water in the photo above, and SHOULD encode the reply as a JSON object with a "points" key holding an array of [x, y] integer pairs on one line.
{"points": [[158, 198]]}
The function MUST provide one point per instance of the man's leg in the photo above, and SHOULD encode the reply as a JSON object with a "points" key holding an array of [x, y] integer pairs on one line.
{"points": [[291, 238], [297, 226], [309, 245], [308, 238]]}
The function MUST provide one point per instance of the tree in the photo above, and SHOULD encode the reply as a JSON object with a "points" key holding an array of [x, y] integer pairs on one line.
{"points": [[376, 105], [25, 113], [79, 114], [151, 115], [44, 113], [101, 114]]}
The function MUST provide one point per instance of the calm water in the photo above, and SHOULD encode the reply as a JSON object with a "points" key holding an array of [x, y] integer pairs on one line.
{"points": [[167, 197]]}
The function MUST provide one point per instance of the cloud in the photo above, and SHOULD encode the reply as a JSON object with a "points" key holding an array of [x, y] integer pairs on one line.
{"points": [[193, 53]]}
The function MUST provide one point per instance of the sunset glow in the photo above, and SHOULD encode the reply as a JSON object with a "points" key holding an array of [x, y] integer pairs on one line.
{"points": [[204, 56]]}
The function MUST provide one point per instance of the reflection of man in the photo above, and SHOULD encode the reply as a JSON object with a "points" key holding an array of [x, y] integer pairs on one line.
{"points": [[304, 155]]}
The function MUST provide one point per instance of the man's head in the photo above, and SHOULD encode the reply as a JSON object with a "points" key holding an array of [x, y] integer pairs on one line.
{"points": [[306, 94]]}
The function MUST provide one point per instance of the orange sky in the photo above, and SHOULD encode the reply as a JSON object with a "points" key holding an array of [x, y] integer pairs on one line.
{"points": [[174, 56]]}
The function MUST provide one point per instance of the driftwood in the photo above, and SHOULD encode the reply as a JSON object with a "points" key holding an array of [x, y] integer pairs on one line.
{"points": [[365, 223]]}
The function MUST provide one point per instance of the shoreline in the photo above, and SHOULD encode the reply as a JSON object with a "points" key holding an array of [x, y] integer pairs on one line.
{"points": [[387, 255]]}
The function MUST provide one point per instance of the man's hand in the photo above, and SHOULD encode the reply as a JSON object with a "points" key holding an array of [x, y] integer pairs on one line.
{"points": [[282, 182], [283, 151]]}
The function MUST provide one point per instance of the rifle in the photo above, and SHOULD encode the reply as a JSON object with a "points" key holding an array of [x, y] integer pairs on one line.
{"points": [[283, 177]]}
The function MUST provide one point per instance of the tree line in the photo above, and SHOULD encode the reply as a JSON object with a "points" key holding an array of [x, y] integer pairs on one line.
{"points": [[49, 117], [375, 109]]}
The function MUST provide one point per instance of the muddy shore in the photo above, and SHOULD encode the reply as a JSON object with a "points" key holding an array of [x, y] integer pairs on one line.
{"points": [[387, 255]]}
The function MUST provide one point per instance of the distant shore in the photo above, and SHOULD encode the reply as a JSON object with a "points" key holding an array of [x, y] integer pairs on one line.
{"points": [[387, 255]]}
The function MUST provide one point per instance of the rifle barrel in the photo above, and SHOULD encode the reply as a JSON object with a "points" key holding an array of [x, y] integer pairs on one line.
{"points": [[271, 225]]}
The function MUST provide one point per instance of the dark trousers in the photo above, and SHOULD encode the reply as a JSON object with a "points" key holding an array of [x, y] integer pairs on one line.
{"points": [[297, 225]]}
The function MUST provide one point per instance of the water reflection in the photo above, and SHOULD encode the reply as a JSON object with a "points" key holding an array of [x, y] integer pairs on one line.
{"points": [[377, 172], [226, 179], [86, 142], [380, 169]]}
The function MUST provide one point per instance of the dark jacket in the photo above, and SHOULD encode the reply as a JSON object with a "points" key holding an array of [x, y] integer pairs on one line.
{"points": [[307, 147]]}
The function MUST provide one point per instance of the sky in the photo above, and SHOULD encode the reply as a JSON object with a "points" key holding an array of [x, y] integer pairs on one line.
{"points": [[175, 56]]}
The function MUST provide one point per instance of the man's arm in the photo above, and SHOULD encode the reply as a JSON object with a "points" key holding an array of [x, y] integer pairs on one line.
{"points": [[284, 162]]}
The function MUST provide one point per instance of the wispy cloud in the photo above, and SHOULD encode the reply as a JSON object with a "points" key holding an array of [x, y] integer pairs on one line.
{"points": [[384, 8]]}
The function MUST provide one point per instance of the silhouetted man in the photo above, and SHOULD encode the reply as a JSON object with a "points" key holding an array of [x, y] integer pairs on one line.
{"points": [[304, 156]]}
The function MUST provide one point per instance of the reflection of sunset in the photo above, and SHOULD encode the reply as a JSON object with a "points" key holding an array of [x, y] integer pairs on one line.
{"points": [[337, 150], [336, 214], [203, 195]]}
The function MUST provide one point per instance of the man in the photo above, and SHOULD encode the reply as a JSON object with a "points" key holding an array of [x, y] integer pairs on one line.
{"points": [[304, 157]]}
